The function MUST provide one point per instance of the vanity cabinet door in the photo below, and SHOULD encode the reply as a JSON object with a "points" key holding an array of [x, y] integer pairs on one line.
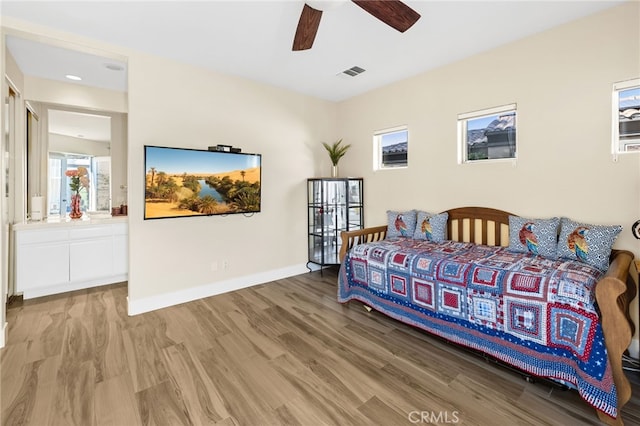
{"points": [[91, 253], [42, 265], [90, 259], [42, 259]]}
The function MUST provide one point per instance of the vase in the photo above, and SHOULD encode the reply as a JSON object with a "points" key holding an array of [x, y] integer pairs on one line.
{"points": [[334, 171], [75, 212]]}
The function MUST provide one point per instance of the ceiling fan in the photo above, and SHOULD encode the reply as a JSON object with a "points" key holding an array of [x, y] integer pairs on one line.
{"points": [[394, 13]]}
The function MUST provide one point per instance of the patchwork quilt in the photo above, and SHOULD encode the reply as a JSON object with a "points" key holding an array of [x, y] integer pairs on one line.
{"points": [[536, 314]]}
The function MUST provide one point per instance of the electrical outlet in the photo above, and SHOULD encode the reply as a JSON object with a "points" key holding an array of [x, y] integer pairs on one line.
{"points": [[225, 264], [214, 266]]}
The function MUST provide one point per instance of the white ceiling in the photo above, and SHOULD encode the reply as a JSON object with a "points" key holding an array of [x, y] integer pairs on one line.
{"points": [[94, 127], [253, 38], [47, 61]]}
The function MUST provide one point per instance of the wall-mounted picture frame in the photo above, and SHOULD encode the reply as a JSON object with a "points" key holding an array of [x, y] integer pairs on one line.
{"points": [[182, 182]]}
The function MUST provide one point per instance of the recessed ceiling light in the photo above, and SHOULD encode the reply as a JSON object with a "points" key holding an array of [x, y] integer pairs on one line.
{"points": [[114, 67], [73, 77]]}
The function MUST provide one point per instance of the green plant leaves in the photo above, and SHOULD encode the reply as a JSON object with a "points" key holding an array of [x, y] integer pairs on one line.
{"points": [[336, 151]]}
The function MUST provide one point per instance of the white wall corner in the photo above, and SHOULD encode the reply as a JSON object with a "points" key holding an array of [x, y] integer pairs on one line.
{"points": [[3, 334], [160, 301]]}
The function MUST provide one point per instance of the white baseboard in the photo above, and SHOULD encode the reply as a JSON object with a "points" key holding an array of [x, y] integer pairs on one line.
{"points": [[30, 293], [313, 266], [3, 335], [165, 300]]}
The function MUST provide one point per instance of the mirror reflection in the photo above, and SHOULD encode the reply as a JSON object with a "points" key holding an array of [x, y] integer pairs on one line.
{"points": [[78, 140], [75, 119]]}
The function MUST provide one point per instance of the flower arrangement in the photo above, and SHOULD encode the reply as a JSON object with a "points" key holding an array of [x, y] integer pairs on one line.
{"points": [[79, 179]]}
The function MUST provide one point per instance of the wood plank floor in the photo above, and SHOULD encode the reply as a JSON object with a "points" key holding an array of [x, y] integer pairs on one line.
{"points": [[283, 353]]}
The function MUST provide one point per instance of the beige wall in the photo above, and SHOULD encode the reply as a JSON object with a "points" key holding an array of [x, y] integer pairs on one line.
{"points": [[561, 81], [119, 162], [12, 71], [178, 105], [172, 104]]}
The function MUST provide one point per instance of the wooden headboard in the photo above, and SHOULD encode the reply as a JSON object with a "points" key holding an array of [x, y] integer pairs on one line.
{"points": [[479, 225]]}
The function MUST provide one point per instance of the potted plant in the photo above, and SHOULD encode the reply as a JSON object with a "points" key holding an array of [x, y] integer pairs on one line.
{"points": [[336, 151]]}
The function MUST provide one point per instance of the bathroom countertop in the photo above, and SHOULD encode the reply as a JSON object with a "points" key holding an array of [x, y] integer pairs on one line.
{"points": [[86, 220]]}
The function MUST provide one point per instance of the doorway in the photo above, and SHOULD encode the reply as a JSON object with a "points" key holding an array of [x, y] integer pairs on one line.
{"points": [[8, 141]]}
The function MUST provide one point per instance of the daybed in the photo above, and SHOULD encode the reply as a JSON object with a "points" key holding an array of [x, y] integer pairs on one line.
{"points": [[552, 317]]}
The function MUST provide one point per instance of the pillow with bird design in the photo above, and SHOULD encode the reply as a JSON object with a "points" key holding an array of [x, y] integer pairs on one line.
{"points": [[535, 236], [431, 227], [587, 243], [401, 224]]}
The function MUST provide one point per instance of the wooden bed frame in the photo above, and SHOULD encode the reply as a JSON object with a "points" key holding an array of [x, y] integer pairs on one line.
{"points": [[614, 292]]}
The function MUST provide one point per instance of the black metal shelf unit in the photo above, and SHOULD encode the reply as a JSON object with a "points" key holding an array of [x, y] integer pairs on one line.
{"points": [[334, 205]]}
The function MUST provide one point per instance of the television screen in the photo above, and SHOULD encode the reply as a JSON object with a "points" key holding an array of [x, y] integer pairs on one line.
{"points": [[191, 182]]}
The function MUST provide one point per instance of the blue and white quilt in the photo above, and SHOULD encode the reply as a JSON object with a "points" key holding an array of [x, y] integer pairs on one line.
{"points": [[536, 314]]}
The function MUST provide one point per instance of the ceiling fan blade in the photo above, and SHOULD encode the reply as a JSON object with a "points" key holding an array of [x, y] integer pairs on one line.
{"points": [[307, 28], [392, 12]]}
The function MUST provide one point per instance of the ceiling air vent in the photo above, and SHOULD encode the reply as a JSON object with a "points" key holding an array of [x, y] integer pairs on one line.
{"points": [[354, 71]]}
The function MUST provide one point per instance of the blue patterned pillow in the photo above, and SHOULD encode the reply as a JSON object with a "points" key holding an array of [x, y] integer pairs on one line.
{"points": [[401, 224], [536, 236], [431, 227], [587, 243]]}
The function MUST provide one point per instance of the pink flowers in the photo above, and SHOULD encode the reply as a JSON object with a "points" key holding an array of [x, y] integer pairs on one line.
{"points": [[79, 179]]}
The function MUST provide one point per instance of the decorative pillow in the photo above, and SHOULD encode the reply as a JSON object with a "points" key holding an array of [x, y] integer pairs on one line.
{"points": [[587, 243], [536, 236], [431, 227], [401, 224]]}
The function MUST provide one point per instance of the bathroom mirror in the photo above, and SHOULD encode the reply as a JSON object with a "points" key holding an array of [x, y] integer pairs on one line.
{"points": [[75, 104]]}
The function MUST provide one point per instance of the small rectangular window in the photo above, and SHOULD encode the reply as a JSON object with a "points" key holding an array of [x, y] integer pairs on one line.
{"points": [[626, 117], [488, 134], [391, 148]]}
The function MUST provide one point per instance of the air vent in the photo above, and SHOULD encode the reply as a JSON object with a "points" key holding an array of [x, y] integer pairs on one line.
{"points": [[354, 71], [114, 67]]}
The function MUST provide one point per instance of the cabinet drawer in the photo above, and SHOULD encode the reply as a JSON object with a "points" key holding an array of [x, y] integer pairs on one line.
{"points": [[48, 236], [85, 232]]}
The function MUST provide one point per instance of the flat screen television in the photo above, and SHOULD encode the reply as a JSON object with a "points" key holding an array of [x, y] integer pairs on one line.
{"points": [[181, 182]]}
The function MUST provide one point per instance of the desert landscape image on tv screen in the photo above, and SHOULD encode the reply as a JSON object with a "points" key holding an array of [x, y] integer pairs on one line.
{"points": [[189, 182]]}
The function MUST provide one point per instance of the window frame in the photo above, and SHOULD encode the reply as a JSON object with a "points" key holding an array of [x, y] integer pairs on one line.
{"points": [[462, 126], [377, 148], [615, 117]]}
